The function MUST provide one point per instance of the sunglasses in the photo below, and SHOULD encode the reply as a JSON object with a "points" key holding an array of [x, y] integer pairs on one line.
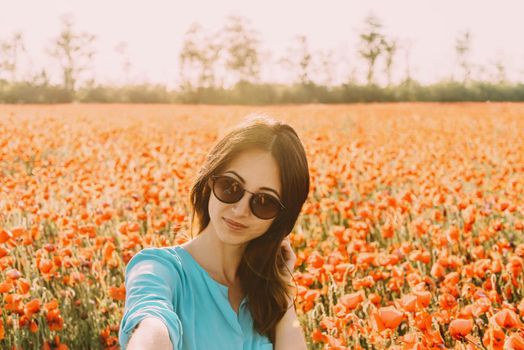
{"points": [[228, 190]]}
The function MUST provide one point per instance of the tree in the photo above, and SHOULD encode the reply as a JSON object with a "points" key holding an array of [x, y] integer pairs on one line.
{"points": [[371, 44], [408, 46], [326, 66], [499, 74], [74, 52], [390, 49], [199, 58], [299, 58], [121, 49], [241, 44], [10, 51], [463, 50], [41, 78]]}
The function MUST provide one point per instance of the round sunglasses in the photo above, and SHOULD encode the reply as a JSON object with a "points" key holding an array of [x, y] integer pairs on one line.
{"points": [[228, 190]]}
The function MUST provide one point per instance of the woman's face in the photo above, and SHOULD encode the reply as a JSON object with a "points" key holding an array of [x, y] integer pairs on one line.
{"points": [[253, 169]]}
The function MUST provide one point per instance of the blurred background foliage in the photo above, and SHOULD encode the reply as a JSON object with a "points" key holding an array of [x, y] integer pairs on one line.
{"points": [[223, 67]]}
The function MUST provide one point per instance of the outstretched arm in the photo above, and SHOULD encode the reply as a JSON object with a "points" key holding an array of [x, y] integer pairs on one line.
{"points": [[151, 281], [151, 334]]}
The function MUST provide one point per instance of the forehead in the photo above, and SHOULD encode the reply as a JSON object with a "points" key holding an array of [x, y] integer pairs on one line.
{"points": [[258, 168]]}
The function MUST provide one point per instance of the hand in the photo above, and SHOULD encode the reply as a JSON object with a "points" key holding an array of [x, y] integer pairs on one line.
{"points": [[289, 256]]}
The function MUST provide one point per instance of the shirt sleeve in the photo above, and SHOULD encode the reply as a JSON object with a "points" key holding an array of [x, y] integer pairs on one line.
{"points": [[151, 278]]}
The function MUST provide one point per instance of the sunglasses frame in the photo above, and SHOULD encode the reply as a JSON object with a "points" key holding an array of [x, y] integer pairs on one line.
{"points": [[251, 200]]}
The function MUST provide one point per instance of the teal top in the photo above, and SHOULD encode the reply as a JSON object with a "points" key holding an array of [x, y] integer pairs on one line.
{"points": [[167, 283]]}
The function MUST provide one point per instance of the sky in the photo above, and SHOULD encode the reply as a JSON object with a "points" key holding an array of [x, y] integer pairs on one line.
{"points": [[153, 32]]}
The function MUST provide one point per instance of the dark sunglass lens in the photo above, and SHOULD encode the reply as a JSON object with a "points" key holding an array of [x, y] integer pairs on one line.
{"points": [[228, 190], [265, 206]]}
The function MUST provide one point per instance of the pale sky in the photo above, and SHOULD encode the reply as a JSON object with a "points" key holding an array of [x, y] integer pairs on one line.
{"points": [[154, 29]]}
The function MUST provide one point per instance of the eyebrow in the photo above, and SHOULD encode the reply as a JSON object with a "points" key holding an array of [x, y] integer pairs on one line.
{"points": [[244, 182]]}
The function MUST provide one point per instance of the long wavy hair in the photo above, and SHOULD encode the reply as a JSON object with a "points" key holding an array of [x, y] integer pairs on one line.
{"points": [[262, 268]]}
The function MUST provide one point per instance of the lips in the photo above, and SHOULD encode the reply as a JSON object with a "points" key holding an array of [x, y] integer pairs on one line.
{"points": [[234, 224]]}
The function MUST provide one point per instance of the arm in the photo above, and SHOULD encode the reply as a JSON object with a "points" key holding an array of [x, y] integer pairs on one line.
{"points": [[151, 334], [151, 280], [288, 333]]}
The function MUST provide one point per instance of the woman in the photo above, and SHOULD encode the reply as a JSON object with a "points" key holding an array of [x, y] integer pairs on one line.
{"points": [[230, 286]]}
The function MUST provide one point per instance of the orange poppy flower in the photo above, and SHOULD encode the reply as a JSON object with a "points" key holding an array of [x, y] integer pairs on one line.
{"points": [[423, 320], [437, 270], [13, 274], [318, 336], [447, 301], [315, 260], [3, 252], [460, 328], [6, 287], [32, 307], [423, 298], [434, 338], [5, 235], [118, 293], [45, 266], [387, 230], [520, 307], [374, 298], [54, 320], [453, 234], [364, 282], [33, 326], [311, 295], [53, 304], [452, 279], [507, 319], [494, 337], [481, 306], [13, 302], [390, 317], [514, 342], [409, 303], [351, 301]]}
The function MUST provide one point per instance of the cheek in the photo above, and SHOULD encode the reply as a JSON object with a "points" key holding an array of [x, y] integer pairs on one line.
{"points": [[216, 209], [263, 227], [213, 207]]}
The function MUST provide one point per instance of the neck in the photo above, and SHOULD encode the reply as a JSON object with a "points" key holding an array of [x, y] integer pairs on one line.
{"points": [[218, 258]]}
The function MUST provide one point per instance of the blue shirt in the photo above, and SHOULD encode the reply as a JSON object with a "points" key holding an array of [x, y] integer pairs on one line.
{"points": [[167, 283]]}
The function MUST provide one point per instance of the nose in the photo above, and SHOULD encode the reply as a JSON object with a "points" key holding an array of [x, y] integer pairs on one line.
{"points": [[241, 208]]}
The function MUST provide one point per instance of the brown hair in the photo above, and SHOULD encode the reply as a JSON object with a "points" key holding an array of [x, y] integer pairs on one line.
{"points": [[262, 267]]}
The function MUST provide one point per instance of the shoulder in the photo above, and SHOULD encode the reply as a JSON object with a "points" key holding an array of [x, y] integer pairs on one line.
{"points": [[156, 260]]}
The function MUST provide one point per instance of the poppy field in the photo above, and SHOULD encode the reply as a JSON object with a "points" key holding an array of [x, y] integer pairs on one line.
{"points": [[412, 236]]}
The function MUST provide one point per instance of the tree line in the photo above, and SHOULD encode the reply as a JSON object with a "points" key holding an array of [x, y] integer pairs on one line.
{"points": [[224, 67]]}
